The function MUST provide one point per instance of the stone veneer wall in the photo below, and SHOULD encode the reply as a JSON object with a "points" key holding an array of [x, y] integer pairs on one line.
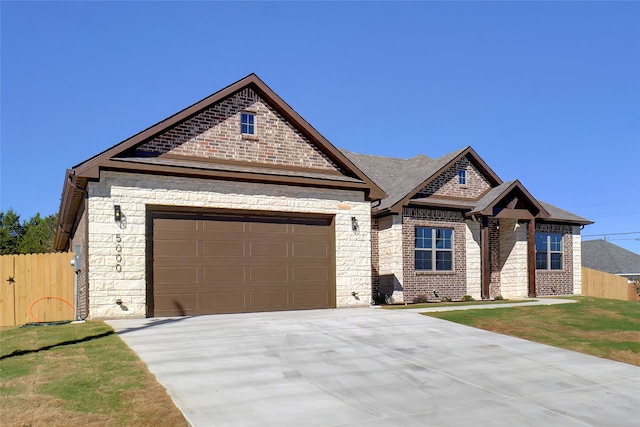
{"points": [[215, 133], [513, 259], [133, 192], [577, 260], [421, 283], [558, 282], [390, 264], [474, 259]]}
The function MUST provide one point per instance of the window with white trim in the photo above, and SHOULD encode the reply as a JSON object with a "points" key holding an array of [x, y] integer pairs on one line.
{"points": [[434, 249], [462, 177], [248, 124], [548, 251]]}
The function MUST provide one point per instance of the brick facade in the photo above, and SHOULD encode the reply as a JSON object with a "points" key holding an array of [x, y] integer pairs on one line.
{"points": [[494, 258], [80, 239], [446, 284], [375, 258], [558, 282], [215, 133], [447, 183], [508, 257]]}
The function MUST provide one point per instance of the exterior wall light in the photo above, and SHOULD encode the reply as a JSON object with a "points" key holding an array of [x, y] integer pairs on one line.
{"points": [[117, 213]]}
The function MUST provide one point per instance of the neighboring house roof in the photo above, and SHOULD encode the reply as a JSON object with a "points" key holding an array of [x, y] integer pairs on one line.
{"points": [[403, 179], [125, 157], [604, 256]]}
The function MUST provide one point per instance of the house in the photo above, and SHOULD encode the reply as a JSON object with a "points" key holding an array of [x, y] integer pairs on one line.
{"points": [[450, 227], [237, 204], [604, 256], [234, 204]]}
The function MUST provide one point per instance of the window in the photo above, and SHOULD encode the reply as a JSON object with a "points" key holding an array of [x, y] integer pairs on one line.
{"points": [[548, 251], [462, 177], [248, 124], [434, 249]]}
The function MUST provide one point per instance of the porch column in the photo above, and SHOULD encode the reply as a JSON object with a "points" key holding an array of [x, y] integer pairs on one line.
{"points": [[531, 255], [485, 266]]}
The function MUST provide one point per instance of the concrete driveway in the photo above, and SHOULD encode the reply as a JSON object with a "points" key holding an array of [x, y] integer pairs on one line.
{"points": [[374, 368]]}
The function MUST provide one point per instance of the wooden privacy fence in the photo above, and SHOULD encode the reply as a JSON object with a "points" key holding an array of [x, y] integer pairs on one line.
{"points": [[36, 288], [605, 285]]}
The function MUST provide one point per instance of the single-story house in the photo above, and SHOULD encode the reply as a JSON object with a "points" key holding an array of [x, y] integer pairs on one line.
{"points": [[237, 204], [450, 227], [603, 255]]}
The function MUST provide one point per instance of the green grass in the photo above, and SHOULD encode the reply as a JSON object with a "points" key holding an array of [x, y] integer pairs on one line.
{"points": [[84, 372], [600, 327], [447, 304]]}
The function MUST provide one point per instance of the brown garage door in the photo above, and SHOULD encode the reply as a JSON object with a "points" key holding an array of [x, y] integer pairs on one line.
{"points": [[228, 264]]}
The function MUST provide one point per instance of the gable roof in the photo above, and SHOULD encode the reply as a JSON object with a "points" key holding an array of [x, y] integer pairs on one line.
{"points": [[490, 202], [604, 256], [122, 157], [109, 159], [402, 179]]}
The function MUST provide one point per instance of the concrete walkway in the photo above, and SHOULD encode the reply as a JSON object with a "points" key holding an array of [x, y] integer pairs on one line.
{"points": [[523, 303], [374, 368]]}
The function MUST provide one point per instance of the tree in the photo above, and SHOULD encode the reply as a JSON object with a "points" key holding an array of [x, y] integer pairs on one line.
{"points": [[10, 232], [38, 235], [33, 236]]}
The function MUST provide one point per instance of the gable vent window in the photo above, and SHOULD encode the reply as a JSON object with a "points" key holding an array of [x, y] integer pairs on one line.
{"points": [[462, 177], [248, 124]]}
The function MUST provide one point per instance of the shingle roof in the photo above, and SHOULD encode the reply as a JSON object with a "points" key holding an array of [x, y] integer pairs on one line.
{"points": [[400, 177], [562, 215], [605, 256], [491, 195]]}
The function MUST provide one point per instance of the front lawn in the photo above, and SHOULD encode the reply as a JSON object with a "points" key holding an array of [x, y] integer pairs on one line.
{"points": [[78, 374], [597, 326]]}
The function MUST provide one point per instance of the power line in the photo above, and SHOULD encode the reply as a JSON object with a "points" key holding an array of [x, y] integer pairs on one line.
{"points": [[610, 215], [606, 204], [611, 234]]}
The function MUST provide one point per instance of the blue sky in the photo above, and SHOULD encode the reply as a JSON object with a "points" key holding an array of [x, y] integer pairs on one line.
{"points": [[545, 92]]}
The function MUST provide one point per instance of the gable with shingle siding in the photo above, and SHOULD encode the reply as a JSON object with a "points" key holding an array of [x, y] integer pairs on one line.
{"points": [[214, 134]]}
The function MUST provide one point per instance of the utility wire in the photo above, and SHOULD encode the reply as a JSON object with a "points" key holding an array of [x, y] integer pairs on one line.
{"points": [[611, 234]]}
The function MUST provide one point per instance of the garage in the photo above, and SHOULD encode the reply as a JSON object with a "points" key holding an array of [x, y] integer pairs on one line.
{"points": [[209, 264]]}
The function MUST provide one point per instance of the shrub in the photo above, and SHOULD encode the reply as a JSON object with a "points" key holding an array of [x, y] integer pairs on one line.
{"points": [[380, 298], [498, 298], [468, 298], [446, 299], [420, 299]]}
